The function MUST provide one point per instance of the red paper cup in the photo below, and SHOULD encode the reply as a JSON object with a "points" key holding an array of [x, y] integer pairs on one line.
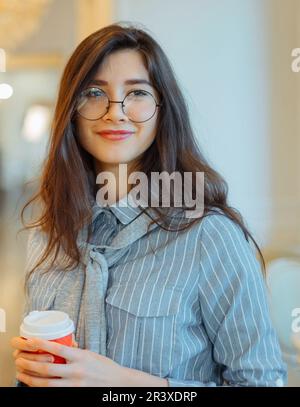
{"points": [[54, 326]]}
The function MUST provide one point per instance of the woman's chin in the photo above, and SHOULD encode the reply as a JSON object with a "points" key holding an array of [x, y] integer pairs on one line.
{"points": [[115, 161]]}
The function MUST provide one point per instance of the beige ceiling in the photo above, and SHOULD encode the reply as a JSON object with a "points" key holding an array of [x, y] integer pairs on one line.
{"points": [[58, 28], [37, 26]]}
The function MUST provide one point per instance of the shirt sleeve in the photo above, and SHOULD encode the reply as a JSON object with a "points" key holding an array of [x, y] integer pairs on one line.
{"points": [[35, 245], [40, 294], [233, 301], [35, 248]]}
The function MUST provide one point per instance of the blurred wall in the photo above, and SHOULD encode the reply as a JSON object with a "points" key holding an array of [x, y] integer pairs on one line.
{"points": [[33, 69], [235, 71], [92, 15], [284, 147], [233, 62], [21, 159]]}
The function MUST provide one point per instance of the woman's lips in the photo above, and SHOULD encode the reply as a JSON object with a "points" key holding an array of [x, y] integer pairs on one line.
{"points": [[115, 135]]}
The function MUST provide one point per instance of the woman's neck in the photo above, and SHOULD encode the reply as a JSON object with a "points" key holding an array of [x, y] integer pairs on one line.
{"points": [[121, 173]]}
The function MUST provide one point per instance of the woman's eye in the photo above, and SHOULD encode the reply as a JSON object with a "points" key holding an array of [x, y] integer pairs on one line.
{"points": [[139, 92], [93, 93]]}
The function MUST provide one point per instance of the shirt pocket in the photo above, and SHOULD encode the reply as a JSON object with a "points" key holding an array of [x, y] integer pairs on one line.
{"points": [[142, 326]]}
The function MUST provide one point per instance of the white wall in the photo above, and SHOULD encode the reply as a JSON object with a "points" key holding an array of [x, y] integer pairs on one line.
{"points": [[223, 53]]}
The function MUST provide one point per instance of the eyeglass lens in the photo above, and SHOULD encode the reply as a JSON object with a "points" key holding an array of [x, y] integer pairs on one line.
{"points": [[138, 105]]}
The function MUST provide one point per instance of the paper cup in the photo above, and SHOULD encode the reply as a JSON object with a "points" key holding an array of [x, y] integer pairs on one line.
{"points": [[55, 326]]}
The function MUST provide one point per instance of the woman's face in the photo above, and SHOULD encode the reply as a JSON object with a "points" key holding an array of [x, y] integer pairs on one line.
{"points": [[112, 78]]}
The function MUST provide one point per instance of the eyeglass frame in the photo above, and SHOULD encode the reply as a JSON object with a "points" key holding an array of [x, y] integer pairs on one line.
{"points": [[122, 104]]}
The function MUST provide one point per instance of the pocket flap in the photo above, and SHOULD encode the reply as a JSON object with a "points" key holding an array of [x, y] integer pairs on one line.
{"points": [[149, 301]]}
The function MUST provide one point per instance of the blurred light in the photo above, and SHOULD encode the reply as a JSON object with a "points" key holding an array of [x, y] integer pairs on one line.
{"points": [[36, 123], [5, 91]]}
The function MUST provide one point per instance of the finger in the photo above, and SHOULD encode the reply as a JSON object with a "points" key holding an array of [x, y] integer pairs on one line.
{"points": [[29, 372], [33, 381], [66, 352], [45, 369], [16, 353], [37, 357], [23, 344]]}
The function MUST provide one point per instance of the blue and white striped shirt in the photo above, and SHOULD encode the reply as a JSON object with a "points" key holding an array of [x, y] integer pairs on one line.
{"points": [[188, 306]]}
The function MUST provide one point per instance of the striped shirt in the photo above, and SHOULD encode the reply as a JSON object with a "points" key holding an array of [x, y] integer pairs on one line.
{"points": [[189, 306]]}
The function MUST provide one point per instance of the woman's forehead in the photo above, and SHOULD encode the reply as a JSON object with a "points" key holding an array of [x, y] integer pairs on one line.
{"points": [[123, 65]]}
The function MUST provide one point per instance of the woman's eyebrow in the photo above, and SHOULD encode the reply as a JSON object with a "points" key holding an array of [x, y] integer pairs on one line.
{"points": [[127, 82]]}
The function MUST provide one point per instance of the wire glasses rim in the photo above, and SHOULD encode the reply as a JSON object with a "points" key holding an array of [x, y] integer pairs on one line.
{"points": [[118, 101]]}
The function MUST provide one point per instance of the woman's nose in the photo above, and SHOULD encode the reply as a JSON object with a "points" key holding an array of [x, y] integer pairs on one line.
{"points": [[115, 112]]}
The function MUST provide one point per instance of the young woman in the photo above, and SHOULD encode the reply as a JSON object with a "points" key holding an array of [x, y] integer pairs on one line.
{"points": [[157, 299]]}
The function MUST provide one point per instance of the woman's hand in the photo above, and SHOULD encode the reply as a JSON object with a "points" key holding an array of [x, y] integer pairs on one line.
{"points": [[25, 348], [83, 368]]}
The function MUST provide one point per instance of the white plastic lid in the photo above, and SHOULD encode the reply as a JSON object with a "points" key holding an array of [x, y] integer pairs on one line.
{"points": [[46, 325]]}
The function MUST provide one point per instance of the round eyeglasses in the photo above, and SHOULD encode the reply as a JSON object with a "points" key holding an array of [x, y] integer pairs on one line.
{"points": [[138, 105]]}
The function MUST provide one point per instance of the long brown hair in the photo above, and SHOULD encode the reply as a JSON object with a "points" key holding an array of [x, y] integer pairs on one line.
{"points": [[65, 181]]}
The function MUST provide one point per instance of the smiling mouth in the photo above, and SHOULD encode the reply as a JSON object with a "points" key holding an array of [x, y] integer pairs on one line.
{"points": [[115, 135]]}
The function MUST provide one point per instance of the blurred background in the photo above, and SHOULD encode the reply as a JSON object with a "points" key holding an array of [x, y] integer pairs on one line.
{"points": [[233, 61]]}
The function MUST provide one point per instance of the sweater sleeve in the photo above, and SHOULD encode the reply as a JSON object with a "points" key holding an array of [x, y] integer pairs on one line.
{"points": [[234, 305]]}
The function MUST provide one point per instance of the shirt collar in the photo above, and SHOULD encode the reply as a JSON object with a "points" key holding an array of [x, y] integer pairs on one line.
{"points": [[125, 210]]}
